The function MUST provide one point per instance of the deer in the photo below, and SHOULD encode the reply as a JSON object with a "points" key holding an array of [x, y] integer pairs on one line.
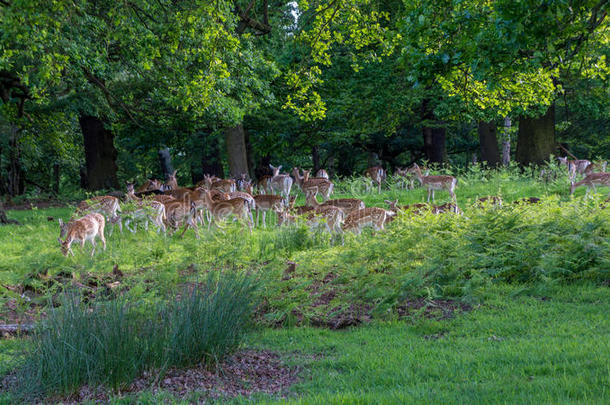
{"points": [[372, 216], [178, 212], [328, 211], [346, 204], [280, 183], [267, 202], [315, 185], [220, 210], [297, 210], [149, 185], [332, 218], [223, 185], [105, 204], [578, 166], [163, 198], [432, 183], [147, 210], [172, 182], [415, 208], [447, 207], [264, 184], [377, 174], [591, 180], [597, 167], [527, 200], [81, 230]]}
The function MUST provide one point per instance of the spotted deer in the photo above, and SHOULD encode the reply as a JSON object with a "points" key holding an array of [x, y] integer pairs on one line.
{"points": [[280, 183], [591, 180], [432, 183], [334, 215], [81, 230], [267, 202], [372, 216], [346, 204], [106, 205], [220, 210], [322, 174], [316, 185], [224, 185], [264, 184], [377, 174], [578, 166], [144, 210], [181, 212], [329, 217], [172, 182]]}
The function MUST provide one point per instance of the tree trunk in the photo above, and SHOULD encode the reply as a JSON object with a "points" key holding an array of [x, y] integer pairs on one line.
{"points": [[4, 220], [16, 185], [315, 158], [490, 153], [210, 158], [165, 160], [236, 150], [434, 135], [536, 141], [506, 142], [100, 154]]}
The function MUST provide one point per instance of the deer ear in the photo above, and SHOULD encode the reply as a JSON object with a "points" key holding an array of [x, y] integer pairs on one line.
{"points": [[279, 167], [271, 166]]}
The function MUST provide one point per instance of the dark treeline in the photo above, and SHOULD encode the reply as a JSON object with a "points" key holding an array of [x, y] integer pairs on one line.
{"points": [[101, 92]]}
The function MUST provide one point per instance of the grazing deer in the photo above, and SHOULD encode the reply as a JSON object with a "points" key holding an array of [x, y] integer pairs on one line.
{"points": [[220, 210], [267, 202], [578, 166], [372, 216], [105, 204], [432, 183], [591, 180], [322, 174], [330, 217], [82, 230], [316, 185], [377, 174], [179, 212], [280, 183], [597, 167]]}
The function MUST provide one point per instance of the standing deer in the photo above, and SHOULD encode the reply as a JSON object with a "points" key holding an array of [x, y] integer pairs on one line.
{"points": [[106, 205], [346, 204], [372, 216], [267, 202], [172, 182], [220, 210], [334, 215], [280, 183], [179, 212], [146, 210], [432, 183], [578, 166], [591, 180], [81, 230], [322, 174], [377, 174], [315, 185]]}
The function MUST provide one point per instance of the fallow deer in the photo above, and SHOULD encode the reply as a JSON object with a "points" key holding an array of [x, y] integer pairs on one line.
{"points": [[578, 166], [330, 217], [493, 201], [106, 205], [316, 185], [280, 183], [181, 212], [432, 183], [297, 210], [264, 184], [267, 202], [447, 207], [346, 204], [149, 185], [377, 174], [163, 198], [597, 167], [331, 213], [591, 180], [414, 208], [372, 216], [81, 230], [146, 210], [220, 210], [172, 182], [224, 185]]}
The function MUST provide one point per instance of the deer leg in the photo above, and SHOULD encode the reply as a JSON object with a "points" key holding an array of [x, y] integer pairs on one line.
{"points": [[93, 244], [264, 219], [429, 190]]}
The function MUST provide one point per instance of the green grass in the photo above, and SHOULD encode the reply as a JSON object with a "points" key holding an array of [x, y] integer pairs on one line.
{"points": [[515, 348]]}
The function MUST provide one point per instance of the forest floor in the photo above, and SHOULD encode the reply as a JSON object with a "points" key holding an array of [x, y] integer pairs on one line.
{"points": [[500, 305]]}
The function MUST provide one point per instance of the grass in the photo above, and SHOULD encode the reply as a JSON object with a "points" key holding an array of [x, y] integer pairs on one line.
{"points": [[515, 347]]}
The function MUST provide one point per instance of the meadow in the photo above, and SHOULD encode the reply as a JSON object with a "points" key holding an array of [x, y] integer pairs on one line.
{"points": [[501, 304]]}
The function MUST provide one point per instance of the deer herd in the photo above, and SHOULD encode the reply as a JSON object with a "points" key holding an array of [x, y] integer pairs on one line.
{"points": [[168, 207]]}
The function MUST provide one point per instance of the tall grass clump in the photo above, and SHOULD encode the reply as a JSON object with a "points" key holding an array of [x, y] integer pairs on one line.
{"points": [[111, 343]]}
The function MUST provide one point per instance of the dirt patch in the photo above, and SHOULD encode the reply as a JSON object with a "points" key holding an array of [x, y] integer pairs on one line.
{"points": [[433, 309], [341, 317], [245, 373]]}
